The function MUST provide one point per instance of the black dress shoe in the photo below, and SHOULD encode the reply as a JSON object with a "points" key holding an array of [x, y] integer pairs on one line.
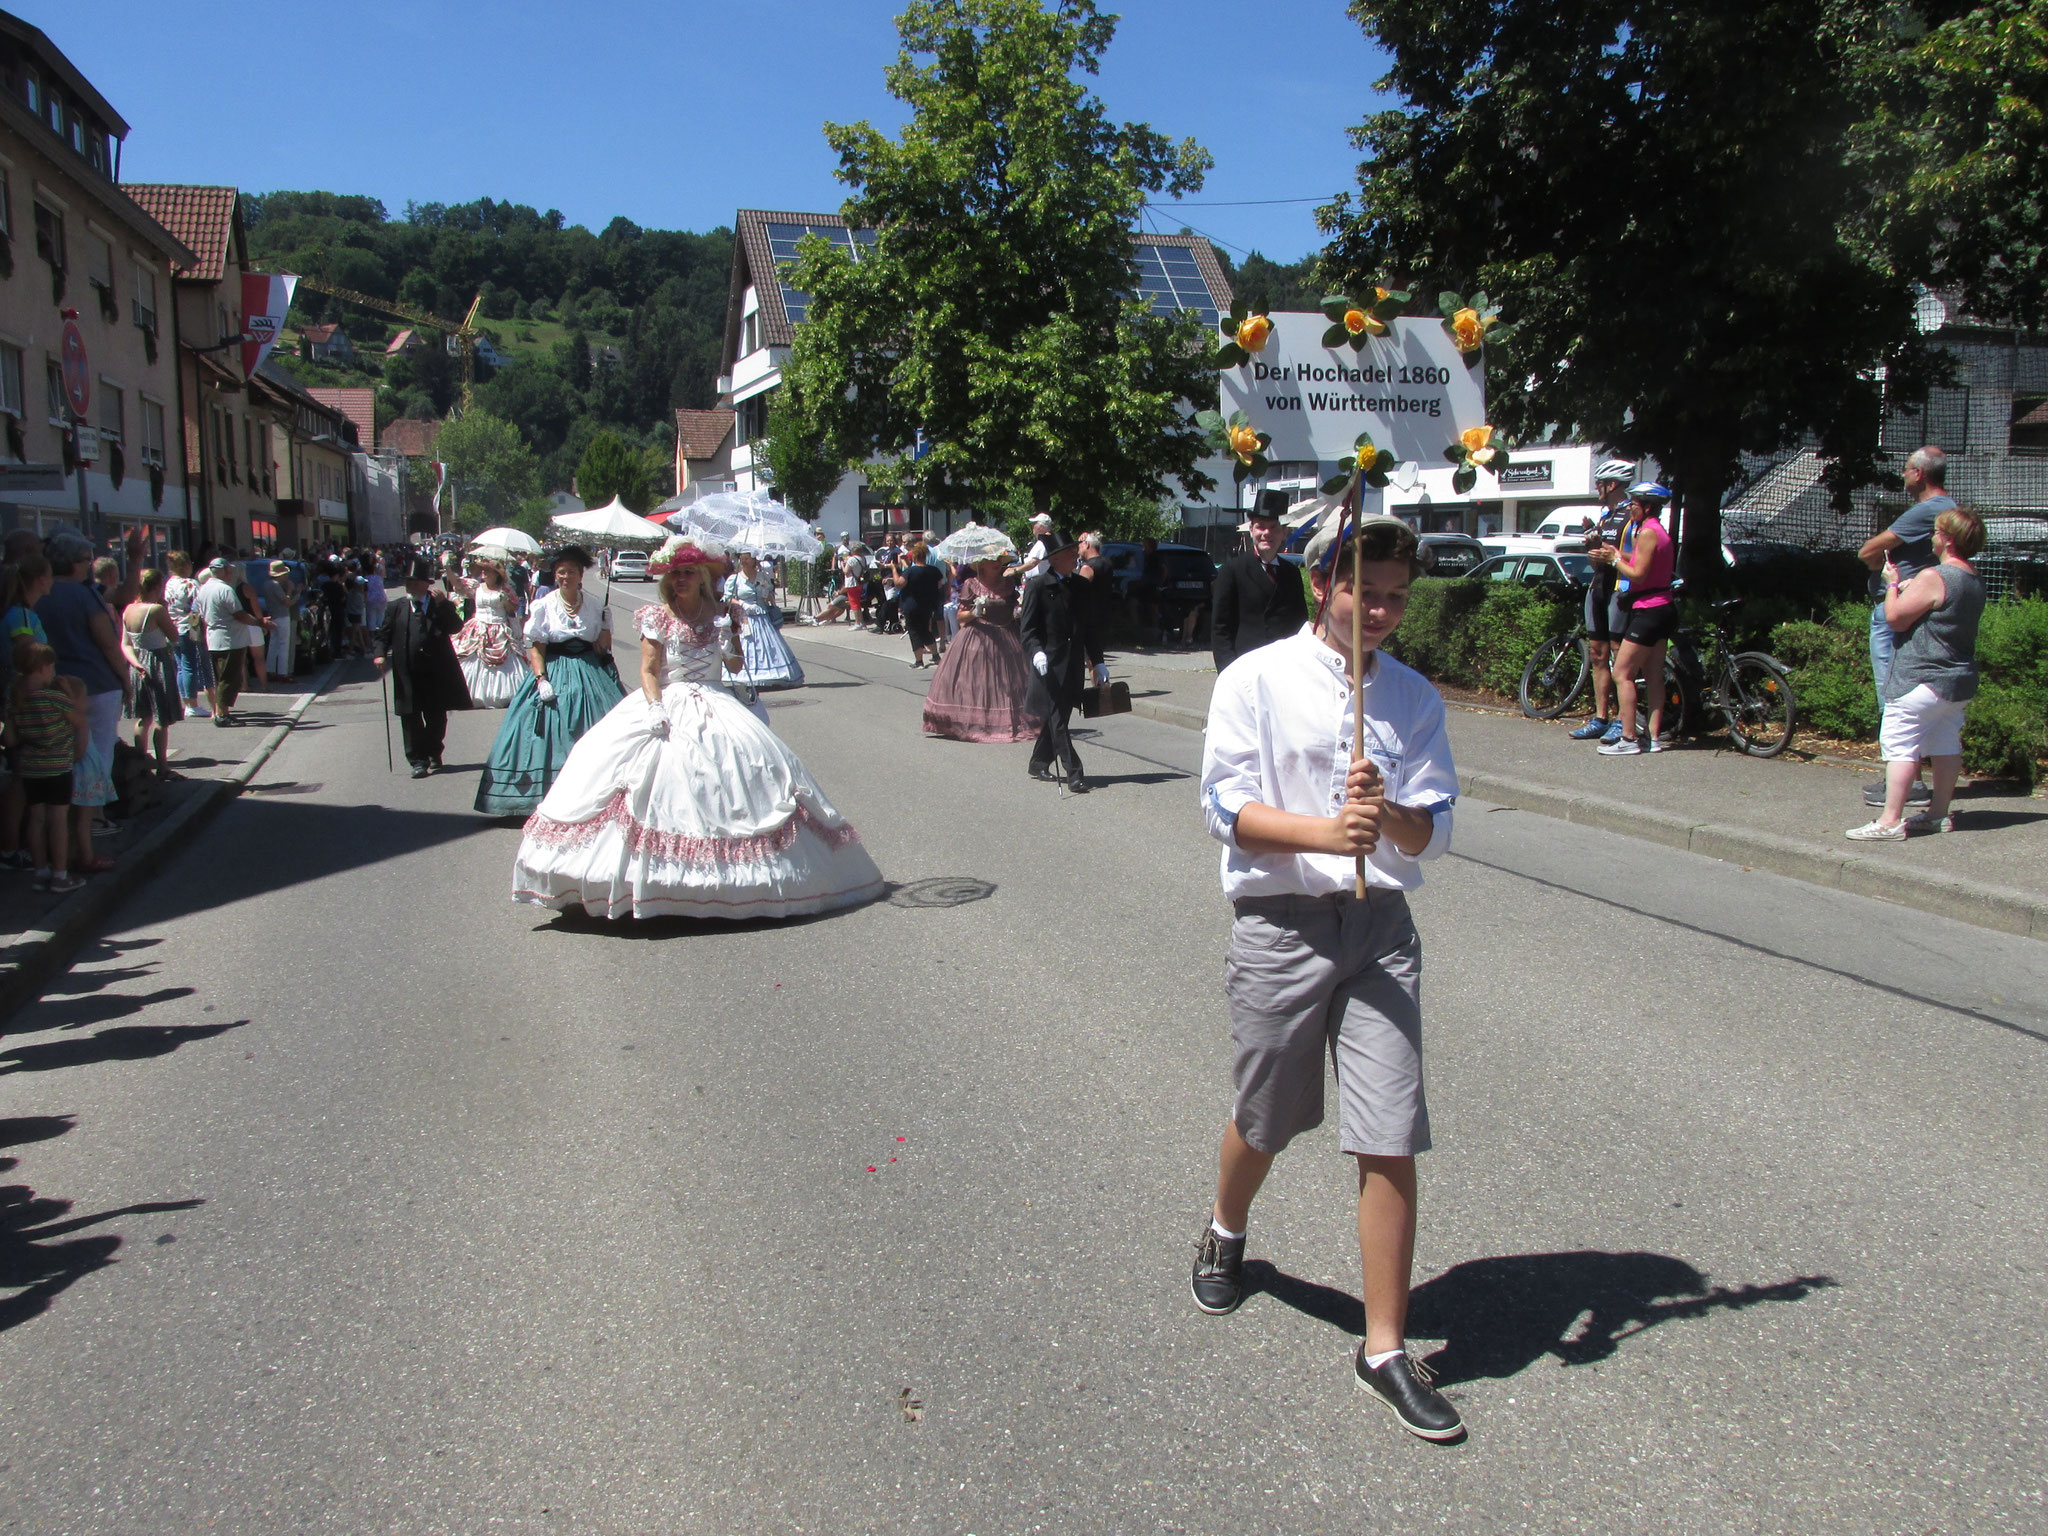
{"points": [[1077, 785], [436, 765], [420, 770], [1218, 1280], [1404, 1386], [1040, 771]]}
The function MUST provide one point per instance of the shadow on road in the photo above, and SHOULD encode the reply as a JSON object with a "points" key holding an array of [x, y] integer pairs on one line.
{"points": [[33, 1263], [131, 1042], [1499, 1316]]}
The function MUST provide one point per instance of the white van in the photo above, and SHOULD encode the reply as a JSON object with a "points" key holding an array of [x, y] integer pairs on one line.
{"points": [[1557, 533]]}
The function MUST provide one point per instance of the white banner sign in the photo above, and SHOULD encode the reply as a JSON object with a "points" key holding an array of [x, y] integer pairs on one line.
{"points": [[266, 300], [1411, 390]]}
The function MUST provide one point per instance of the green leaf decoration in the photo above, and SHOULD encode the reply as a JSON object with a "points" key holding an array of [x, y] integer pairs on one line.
{"points": [[1336, 336], [1464, 479], [1362, 442], [1209, 421], [1229, 326], [1479, 301], [1239, 419], [1334, 305], [1231, 355], [1383, 462], [1398, 295], [1449, 303], [1335, 484], [1457, 453], [1237, 313]]}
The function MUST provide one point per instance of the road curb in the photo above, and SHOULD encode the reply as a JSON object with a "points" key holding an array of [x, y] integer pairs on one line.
{"points": [[1968, 901], [1171, 714], [37, 954]]}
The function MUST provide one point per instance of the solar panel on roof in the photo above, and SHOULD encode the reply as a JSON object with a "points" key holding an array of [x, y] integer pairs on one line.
{"points": [[782, 243], [1171, 283]]}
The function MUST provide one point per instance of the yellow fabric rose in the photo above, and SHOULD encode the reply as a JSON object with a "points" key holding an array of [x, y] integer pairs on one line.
{"points": [[1476, 438], [1356, 320], [1253, 331], [1468, 330], [1244, 442]]}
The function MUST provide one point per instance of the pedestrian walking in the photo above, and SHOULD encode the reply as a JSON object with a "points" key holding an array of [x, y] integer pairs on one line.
{"points": [[982, 688], [195, 669], [416, 644], [923, 589], [1315, 969], [770, 662], [1256, 597], [1058, 634], [1932, 675], [492, 652]]}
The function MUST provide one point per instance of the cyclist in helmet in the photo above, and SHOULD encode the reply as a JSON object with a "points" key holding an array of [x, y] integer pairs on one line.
{"points": [[1603, 614], [1647, 563]]}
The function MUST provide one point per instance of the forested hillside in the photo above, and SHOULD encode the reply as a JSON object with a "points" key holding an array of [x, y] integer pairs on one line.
{"points": [[605, 331]]}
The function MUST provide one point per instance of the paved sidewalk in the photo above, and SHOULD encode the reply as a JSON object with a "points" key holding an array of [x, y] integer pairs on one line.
{"points": [[208, 764], [1786, 815]]}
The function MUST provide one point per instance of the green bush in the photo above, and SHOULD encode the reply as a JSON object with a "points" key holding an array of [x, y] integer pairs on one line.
{"points": [[1830, 666], [1475, 634], [2003, 735]]}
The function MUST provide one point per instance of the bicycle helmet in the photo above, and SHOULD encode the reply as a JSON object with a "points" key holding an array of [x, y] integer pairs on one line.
{"points": [[1650, 490], [1615, 469]]}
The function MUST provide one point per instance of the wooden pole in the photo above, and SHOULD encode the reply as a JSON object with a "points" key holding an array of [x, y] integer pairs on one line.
{"points": [[1357, 673]]}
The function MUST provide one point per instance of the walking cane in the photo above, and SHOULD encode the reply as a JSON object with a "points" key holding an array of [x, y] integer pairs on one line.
{"points": [[384, 693]]}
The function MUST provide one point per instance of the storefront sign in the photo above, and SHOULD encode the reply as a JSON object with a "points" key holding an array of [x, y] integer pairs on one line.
{"points": [[1412, 390], [31, 477], [266, 300], [1533, 472]]}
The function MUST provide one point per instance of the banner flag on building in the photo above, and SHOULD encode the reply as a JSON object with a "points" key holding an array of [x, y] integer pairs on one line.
{"points": [[440, 482], [266, 300]]}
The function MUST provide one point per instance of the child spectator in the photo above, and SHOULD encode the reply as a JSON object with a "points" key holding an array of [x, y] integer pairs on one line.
{"points": [[46, 728]]}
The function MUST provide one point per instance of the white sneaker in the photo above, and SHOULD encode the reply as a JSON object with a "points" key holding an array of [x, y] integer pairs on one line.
{"points": [[1926, 825], [1621, 746], [1877, 832]]}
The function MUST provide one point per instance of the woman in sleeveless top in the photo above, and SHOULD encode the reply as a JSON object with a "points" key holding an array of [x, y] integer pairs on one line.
{"points": [[981, 689], [492, 654], [1933, 677], [147, 639], [680, 803], [1646, 562]]}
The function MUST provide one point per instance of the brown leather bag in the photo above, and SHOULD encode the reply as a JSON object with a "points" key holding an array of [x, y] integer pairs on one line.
{"points": [[1112, 700]]}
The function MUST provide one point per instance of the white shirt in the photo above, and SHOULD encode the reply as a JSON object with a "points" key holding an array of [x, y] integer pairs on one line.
{"points": [[552, 622], [1279, 734], [217, 604]]}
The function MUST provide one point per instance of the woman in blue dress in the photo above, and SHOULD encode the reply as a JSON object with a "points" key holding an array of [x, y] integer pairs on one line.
{"points": [[572, 683], [769, 662]]}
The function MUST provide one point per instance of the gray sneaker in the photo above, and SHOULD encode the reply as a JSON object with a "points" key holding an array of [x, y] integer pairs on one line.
{"points": [[1917, 794], [1926, 825]]}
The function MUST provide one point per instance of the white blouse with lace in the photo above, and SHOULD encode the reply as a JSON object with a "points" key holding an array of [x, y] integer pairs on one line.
{"points": [[552, 622]]}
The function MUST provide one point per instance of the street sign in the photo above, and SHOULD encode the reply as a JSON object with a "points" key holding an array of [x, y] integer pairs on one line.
{"points": [[1412, 391], [88, 443], [31, 477], [77, 372]]}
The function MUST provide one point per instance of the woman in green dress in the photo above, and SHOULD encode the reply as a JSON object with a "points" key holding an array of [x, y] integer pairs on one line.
{"points": [[572, 684]]}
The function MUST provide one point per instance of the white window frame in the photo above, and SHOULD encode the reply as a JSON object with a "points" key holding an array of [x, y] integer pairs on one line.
{"points": [[153, 453], [143, 270], [53, 388]]}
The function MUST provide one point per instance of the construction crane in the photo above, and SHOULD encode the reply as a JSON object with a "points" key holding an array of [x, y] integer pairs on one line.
{"points": [[464, 331]]}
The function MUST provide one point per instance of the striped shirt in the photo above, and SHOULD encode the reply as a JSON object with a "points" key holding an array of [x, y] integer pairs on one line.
{"points": [[43, 735]]}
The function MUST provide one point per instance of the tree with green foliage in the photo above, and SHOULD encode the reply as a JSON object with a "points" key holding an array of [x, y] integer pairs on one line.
{"points": [[1667, 200], [609, 468], [801, 467], [494, 472], [995, 309]]}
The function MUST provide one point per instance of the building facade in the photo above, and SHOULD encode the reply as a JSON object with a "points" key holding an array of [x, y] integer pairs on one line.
{"points": [[85, 314], [1176, 274], [704, 444]]}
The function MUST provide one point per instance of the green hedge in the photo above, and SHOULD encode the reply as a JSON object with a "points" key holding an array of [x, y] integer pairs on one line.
{"points": [[1476, 634]]}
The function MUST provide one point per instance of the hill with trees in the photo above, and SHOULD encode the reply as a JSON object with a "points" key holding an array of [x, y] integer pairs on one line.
{"points": [[605, 333]]}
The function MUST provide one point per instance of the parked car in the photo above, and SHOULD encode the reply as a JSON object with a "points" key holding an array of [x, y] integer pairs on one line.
{"points": [[1448, 554], [1558, 533], [1186, 572], [630, 565], [1567, 570]]}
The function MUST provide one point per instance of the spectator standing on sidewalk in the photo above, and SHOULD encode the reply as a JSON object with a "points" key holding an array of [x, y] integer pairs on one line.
{"points": [[1909, 545], [147, 636], [46, 730], [195, 672], [224, 615], [82, 634], [280, 596], [1257, 597], [1604, 619], [1932, 675], [1314, 970], [1646, 565]]}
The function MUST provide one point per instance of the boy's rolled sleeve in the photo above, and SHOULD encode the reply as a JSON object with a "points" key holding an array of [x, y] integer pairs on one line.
{"points": [[1430, 783], [1230, 764]]}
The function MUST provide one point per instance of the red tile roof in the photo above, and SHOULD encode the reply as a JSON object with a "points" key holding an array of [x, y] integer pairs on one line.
{"points": [[403, 340], [319, 333], [700, 434], [359, 406], [412, 437], [201, 218]]}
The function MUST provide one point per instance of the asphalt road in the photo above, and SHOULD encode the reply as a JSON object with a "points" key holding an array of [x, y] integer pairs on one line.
{"points": [[351, 1197]]}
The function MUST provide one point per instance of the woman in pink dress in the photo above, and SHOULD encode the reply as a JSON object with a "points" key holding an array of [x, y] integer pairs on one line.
{"points": [[981, 689]]}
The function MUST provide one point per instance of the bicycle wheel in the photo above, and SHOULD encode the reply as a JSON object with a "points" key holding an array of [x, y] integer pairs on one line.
{"points": [[1555, 676], [1756, 697]]}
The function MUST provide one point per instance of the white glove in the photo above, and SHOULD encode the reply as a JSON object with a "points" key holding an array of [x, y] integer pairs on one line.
{"points": [[544, 691], [1038, 661], [657, 721], [1102, 674]]}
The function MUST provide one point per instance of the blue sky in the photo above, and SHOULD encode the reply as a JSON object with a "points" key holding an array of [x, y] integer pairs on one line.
{"points": [[672, 114]]}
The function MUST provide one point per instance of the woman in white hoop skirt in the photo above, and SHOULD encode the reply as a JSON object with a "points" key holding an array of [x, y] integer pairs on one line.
{"points": [[492, 653], [679, 802]]}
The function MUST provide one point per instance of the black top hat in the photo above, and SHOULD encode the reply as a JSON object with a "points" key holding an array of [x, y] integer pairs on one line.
{"points": [[1055, 541], [1272, 504], [421, 567]]}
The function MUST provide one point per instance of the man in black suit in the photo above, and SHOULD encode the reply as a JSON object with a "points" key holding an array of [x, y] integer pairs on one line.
{"points": [[1058, 629], [416, 642], [1257, 598]]}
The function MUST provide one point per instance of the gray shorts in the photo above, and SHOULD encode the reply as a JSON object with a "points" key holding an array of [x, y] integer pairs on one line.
{"points": [[1309, 974]]}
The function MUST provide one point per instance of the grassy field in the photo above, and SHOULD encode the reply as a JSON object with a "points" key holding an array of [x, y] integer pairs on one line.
{"points": [[517, 339]]}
